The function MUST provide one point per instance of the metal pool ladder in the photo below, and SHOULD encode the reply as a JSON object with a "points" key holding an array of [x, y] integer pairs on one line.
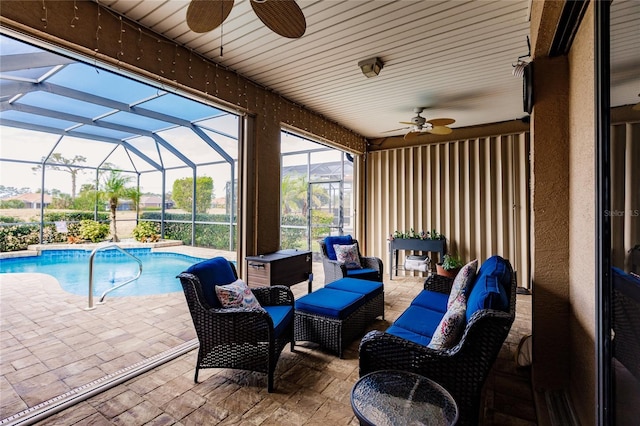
{"points": [[93, 253]]}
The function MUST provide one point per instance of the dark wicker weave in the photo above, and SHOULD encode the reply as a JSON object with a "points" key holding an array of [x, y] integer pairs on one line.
{"points": [[333, 270], [463, 369], [626, 325], [374, 308], [335, 334], [237, 338], [330, 333]]}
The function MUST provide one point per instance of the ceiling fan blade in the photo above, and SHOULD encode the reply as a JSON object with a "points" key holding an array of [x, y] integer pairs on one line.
{"points": [[283, 17], [407, 122], [436, 122], [396, 130], [206, 15], [440, 130], [412, 136]]}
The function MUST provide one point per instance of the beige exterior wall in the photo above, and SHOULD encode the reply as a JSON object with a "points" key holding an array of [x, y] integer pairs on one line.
{"points": [[550, 223], [582, 221]]}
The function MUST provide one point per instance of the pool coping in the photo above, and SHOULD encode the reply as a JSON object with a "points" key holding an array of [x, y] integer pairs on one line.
{"points": [[37, 249]]}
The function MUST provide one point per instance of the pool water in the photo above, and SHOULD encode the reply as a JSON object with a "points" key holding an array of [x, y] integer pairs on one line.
{"points": [[110, 267]]}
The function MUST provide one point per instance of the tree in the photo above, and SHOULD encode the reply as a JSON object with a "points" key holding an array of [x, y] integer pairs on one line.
{"points": [[114, 188], [7, 191], [294, 189], [183, 190], [87, 198], [68, 165]]}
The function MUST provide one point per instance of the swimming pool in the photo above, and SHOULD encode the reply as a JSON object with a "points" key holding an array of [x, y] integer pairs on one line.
{"points": [[110, 267]]}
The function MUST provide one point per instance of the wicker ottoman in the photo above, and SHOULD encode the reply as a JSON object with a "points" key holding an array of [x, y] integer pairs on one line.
{"points": [[331, 318], [373, 292]]}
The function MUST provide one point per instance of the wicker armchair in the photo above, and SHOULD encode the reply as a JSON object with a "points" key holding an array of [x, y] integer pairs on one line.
{"points": [[462, 369], [238, 338], [372, 268]]}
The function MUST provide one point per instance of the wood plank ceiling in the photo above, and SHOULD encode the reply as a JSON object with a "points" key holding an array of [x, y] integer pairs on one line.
{"points": [[453, 57]]}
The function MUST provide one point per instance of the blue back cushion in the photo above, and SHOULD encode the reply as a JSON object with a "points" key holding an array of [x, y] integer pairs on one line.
{"points": [[341, 240], [495, 266], [491, 288], [212, 272], [487, 293]]}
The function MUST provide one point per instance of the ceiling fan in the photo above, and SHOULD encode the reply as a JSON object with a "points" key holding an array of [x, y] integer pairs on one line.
{"points": [[420, 125], [284, 17]]}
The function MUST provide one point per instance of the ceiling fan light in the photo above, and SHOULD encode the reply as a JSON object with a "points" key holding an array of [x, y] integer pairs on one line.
{"points": [[371, 67]]}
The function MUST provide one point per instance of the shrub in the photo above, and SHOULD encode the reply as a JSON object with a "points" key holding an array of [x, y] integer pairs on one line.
{"points": [[208, 234], [93, 231], [147, 232], [18, 237], [10, 219], [11, 204]]}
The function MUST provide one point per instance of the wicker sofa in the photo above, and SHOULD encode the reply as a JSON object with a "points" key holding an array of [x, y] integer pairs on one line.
{"points": [[462, 368]]}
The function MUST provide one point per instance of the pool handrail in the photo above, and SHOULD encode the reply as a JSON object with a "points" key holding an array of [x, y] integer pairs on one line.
{"points": [[93, 253]]}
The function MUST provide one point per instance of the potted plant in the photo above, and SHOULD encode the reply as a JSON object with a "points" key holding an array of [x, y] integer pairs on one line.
{"points": [[450, 266]]}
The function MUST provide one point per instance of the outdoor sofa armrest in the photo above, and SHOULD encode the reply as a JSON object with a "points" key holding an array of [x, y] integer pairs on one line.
{"points": [[372, 263], [274, 295], [438, 283]]}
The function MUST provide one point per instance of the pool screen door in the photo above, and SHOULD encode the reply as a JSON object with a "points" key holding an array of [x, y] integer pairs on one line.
{"points": [[326, 200]]}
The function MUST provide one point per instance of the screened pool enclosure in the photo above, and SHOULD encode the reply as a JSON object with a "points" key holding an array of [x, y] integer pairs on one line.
{"points": [[68, 124]]}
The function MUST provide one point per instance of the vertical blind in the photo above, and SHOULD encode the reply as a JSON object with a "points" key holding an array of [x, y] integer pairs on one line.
{"points": [[475, 192], [625, 192]]}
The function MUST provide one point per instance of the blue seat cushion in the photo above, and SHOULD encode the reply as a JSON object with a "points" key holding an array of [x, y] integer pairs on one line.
{"points": [[487, 293], [408, 335], [363, 274], [419, 320], [282, 315], [369, 289], [341, 240], [212, 272], [330, 303], [432, 300]]}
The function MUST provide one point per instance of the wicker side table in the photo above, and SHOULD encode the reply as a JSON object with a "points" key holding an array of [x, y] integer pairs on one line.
{"points": [[389, 397]]}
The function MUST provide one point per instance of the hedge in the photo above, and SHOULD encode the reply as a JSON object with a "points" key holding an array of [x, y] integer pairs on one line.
{"points": [[216, 235], [19, 236]]}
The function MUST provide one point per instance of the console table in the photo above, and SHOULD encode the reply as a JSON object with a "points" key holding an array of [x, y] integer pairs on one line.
{"points": [[283, 267], [413, 244], [390, 398]]}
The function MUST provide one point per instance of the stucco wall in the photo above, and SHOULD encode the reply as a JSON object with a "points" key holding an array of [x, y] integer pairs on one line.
{"points": [[550, 223], [582, 221]]}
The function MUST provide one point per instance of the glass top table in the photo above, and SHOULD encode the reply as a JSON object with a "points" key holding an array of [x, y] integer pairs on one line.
{"points": [[395, 398]]}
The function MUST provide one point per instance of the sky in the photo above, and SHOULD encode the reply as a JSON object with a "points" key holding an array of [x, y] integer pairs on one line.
{"points": [[18, 144], [21, 145]]}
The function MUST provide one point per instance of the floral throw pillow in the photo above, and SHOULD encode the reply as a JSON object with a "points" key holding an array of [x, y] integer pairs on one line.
{"points": [[464, 278], [451, 326], [348, 255], [237, 295]]}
